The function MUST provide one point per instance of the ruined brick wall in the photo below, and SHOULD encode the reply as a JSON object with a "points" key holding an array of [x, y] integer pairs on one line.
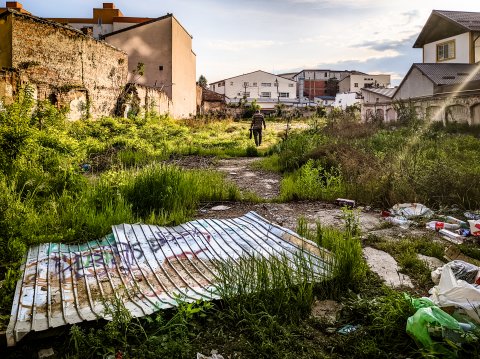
{"points": [[66, 64], [153, 99], [8, 83]]}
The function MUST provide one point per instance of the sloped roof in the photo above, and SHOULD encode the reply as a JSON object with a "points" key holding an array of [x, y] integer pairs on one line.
{"points": [[450, 74], [249, 73], [211, 96], [387, 92], [469, 20], [443, 23]]}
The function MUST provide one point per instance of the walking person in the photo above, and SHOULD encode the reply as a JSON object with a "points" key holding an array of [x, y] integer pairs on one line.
{"points": [[258, 122]]}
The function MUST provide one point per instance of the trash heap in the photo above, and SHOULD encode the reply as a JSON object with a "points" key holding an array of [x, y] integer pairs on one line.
{"points": [[450, 228], [449, 318]]}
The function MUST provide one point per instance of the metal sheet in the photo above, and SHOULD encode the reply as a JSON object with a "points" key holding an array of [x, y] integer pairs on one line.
{"points": [[148, 267]]}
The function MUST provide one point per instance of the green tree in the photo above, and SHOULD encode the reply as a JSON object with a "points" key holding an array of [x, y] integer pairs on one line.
{"points": [[202, 81]]}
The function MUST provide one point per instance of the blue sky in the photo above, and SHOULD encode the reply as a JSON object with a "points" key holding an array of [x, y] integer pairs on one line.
{"points": [[234, 37]]}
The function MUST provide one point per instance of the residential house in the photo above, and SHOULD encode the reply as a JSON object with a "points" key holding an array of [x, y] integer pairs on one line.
{"points": [[377, 103], [450, 37], [446, 86], [266, 88], [161, 44], [355, 81]]}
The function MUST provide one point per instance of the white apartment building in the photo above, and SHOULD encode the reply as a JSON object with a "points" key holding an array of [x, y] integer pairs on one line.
{"points": [[268, 89]]}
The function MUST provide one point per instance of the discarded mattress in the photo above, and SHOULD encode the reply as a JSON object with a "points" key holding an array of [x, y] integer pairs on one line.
{"points": [[150, 266]]}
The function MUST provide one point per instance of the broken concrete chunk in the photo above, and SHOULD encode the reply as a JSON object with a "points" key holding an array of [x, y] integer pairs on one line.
{"points": [[386, 267], [46, 354]]}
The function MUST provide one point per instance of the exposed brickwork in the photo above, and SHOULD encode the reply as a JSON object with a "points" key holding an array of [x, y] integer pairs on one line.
{"points": [[66, 63]]}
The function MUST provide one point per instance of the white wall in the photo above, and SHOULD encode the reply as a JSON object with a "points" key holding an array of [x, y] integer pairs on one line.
{"points": [[462, 50], [415, 85], [343, 100], [234, 87]]}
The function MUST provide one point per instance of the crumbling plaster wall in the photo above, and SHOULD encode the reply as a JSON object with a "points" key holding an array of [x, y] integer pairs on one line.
{"points": [[82, 73]]}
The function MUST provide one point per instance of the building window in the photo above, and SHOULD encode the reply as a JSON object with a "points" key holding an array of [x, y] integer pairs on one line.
{"points": [[266, 94], [326, 74], [446, 51], [246, 84], [284, 94], [290, 85], [220, 84], [355, 84], [266, 84], [246, 94], [160, 67], [231, 83], [254, 84]]}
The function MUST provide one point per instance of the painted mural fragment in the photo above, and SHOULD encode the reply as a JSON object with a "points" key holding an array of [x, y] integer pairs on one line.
{"points": [[149, 267]]}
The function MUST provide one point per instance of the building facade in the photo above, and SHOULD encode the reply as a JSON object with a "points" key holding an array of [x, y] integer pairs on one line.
{"points": [[355, 82], [161, 44], [164, 47], [458, 41], [446, 86], [314, 83], [266, 88], [62, 64]]}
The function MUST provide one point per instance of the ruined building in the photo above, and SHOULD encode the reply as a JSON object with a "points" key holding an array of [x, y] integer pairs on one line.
{"points": [[68, 62]]}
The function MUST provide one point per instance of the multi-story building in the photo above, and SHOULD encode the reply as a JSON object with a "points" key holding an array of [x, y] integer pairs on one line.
{"points": [[316, 83], [161, 44], [355, 81], [266, 88], [446, 86]]}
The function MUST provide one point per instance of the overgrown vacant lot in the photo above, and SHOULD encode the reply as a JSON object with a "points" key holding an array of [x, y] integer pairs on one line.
{"points": [[70, 182]]}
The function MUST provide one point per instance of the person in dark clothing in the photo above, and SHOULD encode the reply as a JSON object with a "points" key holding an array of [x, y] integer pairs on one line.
{"points": [[258, 122]]}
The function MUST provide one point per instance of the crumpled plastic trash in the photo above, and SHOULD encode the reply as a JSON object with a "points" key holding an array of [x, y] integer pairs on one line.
{"points": [[474, 227], [409, 210], [472, 215], [400, 221], [454, 289], [430, 320]]}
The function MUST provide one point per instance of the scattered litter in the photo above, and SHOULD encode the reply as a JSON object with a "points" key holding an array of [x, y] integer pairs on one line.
{"points": [[330, 330], [214, 355], [472, 215], [409, 210], [220, 208], [342, 202], [474, 227], [452, 236], [402, 222], [454, 220], [458, 286], [347, 329], [434, 225], [430, 323]]}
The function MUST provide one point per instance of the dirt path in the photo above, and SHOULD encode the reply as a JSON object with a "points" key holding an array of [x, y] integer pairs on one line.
{"points": [[264, 184]]}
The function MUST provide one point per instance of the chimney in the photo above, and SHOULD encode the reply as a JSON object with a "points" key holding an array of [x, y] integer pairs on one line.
{"points": [[15, 5], [108, 5]]}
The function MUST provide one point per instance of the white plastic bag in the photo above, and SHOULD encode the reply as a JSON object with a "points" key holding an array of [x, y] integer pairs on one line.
{"points": [[451, 291]]}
